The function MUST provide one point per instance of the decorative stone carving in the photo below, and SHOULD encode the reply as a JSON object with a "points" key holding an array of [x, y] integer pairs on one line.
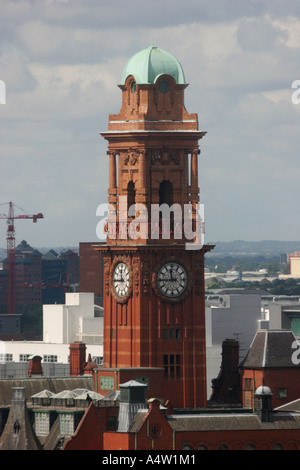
{"points": [[136, 277], [145, 277], [164, 157], [106, 271], [131, 157]]}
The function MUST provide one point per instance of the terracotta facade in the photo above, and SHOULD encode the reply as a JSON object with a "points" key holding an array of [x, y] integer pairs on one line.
{"points": [[153, 160]]}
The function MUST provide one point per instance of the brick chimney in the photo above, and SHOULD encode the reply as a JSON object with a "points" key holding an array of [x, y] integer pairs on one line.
{"points": [[35, 367], [77, 358], [226, 387]]}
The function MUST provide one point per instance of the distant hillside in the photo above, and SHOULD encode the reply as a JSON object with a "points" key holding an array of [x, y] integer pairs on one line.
{"points": [[44, 250], [266, 248]]}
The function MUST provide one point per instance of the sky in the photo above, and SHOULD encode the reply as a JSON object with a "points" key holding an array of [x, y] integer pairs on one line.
{"points": [[61, 62]]}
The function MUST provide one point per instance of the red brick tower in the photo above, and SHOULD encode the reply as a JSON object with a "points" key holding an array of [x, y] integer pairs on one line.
{"points": [[154, 311]]}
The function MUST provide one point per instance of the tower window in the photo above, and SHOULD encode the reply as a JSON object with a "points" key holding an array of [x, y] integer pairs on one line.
{"points": [[166, 193], [133, 87], [172, 366], [130, 194], [163, 86]]}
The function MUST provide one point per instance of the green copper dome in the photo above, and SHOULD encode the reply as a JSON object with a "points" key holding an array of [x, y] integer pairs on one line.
{"points": [[147, 65]]}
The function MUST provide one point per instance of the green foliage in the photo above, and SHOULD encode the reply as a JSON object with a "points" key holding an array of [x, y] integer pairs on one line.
{"points": [[222, 264]]}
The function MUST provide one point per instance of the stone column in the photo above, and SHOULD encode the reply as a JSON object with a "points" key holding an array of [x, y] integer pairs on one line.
{"points": [[194, 170], [112, 171]]}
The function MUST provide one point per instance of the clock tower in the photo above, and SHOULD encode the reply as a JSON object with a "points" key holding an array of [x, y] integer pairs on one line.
{"points": [[153, 259]]}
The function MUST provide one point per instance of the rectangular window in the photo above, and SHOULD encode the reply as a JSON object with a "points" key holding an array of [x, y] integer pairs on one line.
{"points": [[42, 422], [248, 384], [49, 358], [6, 358], [281, 393], [107, 383], [172, 366], [24, 357], [178, 368], [66, 424], [171, 333], [166, 367]]}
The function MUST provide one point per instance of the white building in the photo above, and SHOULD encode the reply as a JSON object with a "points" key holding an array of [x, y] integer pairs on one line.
{"points": [[79, 319], [229, 316]]}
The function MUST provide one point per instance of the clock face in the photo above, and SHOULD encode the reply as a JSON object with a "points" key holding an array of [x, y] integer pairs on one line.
{"points": [[172, 279], [121, 279]]}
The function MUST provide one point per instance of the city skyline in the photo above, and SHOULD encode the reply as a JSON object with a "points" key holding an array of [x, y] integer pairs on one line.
{"points": [[62, 63]]}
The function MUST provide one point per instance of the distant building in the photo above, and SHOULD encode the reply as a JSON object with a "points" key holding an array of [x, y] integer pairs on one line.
{"points": [[28, 266], [91, 270], [294, 260], [271, 360], [285, 314], [78, 320], [41, 278], [231, 314]]}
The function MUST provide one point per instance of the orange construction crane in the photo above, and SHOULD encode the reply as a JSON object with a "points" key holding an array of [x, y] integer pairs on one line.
{"points": [[11, 250]]}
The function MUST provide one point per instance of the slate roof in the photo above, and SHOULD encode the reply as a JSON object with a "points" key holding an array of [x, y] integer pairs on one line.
{"points": [[35, 385], [270, 349], [231, 422], [25, 438], [292, 406], [18, 433], [222, 422]]}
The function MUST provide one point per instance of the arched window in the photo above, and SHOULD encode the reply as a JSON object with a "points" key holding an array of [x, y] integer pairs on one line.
{"points": [[166, 197], [130, 194], [222, 447], [166, 193]]}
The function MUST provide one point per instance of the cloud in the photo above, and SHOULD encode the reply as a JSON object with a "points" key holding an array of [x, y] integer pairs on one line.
{"points": [[259, 34], [62, 62]]}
